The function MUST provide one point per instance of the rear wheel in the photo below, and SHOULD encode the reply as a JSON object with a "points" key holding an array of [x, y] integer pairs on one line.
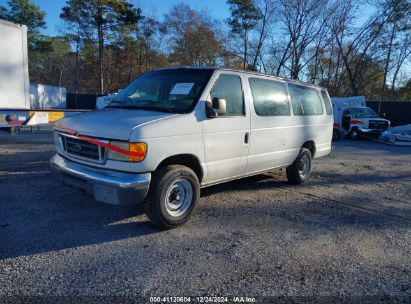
{"points": [[300, 169], [354, 134], [11, 131], [336, 134], [174, 193]]}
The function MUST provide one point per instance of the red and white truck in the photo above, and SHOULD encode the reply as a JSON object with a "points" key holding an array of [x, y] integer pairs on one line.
{"points": [[353, 119]]}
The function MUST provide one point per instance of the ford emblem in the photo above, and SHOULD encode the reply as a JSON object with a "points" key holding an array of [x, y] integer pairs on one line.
{"points": [[77, 148]]}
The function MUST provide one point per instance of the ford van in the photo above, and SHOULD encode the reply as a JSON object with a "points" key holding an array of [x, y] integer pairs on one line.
{"points": [[174, 131]]}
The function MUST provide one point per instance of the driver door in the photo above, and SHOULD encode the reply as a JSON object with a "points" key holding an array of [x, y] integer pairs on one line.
{"points": [[226, 138]]}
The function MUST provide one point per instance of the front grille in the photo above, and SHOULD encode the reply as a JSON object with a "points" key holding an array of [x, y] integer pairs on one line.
{"points": [[82, 149], [378, 124]]}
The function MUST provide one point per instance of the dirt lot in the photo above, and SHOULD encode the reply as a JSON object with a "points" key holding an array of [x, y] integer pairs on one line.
{"points": [[346, 233]]}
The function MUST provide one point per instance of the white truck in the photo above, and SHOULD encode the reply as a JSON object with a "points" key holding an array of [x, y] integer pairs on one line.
{"points": [[16, 109], [353, 119]]}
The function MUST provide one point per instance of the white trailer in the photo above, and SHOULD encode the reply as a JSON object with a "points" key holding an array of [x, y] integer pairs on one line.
{"points": [[14, 71], [15, 106]]}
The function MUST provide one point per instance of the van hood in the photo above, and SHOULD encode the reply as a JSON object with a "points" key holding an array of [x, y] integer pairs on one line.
{"points": [[110, 123]]}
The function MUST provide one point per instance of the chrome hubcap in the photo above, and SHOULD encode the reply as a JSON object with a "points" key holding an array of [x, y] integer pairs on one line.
{"points": [[179, 197], [304, 166]]}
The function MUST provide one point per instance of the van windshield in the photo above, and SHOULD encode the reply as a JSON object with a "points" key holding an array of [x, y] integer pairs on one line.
{"points": [[363, 113], [170, 90]]}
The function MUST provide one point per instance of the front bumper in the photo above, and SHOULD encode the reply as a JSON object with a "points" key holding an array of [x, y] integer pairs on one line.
{"points": [[107, 186], [370, 131]]}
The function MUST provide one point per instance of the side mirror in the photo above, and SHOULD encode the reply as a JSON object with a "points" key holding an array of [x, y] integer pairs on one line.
{"points": [[216, 108], [219, 106]]}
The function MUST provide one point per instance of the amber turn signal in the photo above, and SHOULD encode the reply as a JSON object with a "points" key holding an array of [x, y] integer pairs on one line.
{"points": [[137, 151]]}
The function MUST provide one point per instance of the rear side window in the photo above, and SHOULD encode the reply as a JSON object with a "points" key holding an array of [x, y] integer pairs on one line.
{"points": [[228, 87], [270, 97], [306, 101], [327, 102]]}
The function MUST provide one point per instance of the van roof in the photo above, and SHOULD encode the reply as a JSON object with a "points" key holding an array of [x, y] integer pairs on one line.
{"points": [[246, 72]]}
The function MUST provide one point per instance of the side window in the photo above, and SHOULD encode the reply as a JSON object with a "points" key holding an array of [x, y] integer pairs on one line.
{"points": [[327, 102], [228, 87], [306, 101], [270, 97]]}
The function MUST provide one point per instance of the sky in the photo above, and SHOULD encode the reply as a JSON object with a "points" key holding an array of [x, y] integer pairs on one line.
{"points": [[152, 8]]}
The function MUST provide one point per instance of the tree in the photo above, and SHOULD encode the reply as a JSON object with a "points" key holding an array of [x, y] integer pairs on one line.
{"points": [[267, 9], [49, 67], [76, 31], [397, 24], [402, 52], [304, 22], [355, 45], [193, 40], [29, 14], [104, 44], [3, 12], [244, 17], [101, 18]]}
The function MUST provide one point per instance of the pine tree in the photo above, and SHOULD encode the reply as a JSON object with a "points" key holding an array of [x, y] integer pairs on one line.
{"points": [[100, 18], [244, 18]]}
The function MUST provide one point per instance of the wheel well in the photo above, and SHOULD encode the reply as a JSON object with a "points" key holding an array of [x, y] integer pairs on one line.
{"points": [[310, 146], [187, 160]]}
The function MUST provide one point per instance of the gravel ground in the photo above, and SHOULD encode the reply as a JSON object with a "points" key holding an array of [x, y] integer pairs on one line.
{"points": [[346, 233]]}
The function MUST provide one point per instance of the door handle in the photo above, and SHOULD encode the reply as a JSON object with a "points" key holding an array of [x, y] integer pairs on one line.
{"points": [[246, 137]]}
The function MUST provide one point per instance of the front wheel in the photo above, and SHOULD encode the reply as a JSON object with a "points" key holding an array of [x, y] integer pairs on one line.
{"points": [[354, 134], [173, 195], [300, 169]]}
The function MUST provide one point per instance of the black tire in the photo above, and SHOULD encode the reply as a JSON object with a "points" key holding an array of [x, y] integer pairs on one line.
{"points": [[167, 183], [295, 173], [11, 131], [354, 134], [336, 134], [14, 130]]}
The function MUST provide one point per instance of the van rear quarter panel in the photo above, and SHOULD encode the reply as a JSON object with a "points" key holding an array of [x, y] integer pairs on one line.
{"points": [[313, 128], [275, 141]]}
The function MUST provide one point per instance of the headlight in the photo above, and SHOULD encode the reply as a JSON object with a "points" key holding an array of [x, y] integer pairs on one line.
{"points": [[133, 152], [56, 140]]}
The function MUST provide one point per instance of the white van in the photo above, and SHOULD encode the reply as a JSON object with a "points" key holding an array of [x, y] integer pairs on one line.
{"points": [[173, 131]]}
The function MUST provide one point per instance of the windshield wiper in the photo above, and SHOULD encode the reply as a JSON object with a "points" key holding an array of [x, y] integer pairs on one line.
{"points": [[119, 105], [152, 109], [115, 103], [146, 101], [155, 109]]}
